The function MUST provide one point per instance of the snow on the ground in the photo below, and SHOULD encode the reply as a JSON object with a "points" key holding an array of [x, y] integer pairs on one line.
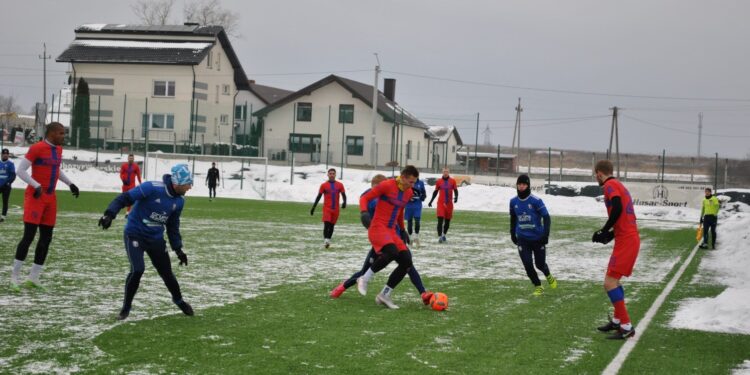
{"points": [[727, 265]]}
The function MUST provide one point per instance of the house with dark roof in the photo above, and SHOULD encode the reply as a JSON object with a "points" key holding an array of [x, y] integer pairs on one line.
{"points": [[330, 121], [172, 85]]}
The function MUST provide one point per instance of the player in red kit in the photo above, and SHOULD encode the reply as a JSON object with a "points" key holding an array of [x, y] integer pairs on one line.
{"points": [[330, 190], [129, 172], [389, 245], [40, 201], [446, 191], [627, 244]]}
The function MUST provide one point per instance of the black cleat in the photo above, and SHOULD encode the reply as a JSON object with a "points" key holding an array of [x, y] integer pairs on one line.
{"points": [[610, 326], [123, 314], [622, 334], [186, 309], [703, 246]]}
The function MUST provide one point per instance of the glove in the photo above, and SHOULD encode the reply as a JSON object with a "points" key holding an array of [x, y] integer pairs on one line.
{"points": [[429, 204], [701, 220], [544, 240], [74, 190], [312, 211], [405, 237], [343, 205], [455, 199], [513, 238], [182, 257], [603, 237], [365, 218], [37, 192], [106, 220]]}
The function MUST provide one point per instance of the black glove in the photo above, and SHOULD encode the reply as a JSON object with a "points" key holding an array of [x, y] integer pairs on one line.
{"points": [[544, 240], [701, 219], [343, 205], [37, 192], [603, 237], [513, 238], [455, 199], [106, 220], [74, 190], [312, 211], [429, 204], [181, 256], [365, 218], [405, 237]]}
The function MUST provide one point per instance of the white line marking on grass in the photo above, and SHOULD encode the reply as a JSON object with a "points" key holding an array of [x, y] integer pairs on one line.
{"points": [[614, 367]]}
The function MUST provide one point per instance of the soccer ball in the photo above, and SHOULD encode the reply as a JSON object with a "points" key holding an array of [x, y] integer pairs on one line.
{"points": [[439, 301]]}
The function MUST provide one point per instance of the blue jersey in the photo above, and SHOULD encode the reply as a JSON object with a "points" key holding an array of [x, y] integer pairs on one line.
{"points": [[420, 194], [155, 206], [529, 213], [7, 172]]}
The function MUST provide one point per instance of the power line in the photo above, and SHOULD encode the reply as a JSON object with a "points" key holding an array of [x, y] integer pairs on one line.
{"points": [[572, 92], [513, 120], [308, 73], [684, 131]]}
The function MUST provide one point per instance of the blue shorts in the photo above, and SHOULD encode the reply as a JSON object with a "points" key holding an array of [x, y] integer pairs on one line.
{"points": [[413, 210]]}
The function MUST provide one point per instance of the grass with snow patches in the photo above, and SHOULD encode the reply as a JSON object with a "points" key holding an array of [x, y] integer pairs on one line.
{"points": [[259, 278]]}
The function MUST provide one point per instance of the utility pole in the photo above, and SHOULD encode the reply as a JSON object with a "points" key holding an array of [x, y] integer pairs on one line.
{"points": [[373, 146], [700, 132], [517, 133], [487, 133], [44, 56], [614, 134], [476, 146]]}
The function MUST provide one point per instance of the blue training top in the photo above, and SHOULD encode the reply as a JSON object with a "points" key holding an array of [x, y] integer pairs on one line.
{"points": [[155, 206], [7, 172], [420, 194], [529, 213]]}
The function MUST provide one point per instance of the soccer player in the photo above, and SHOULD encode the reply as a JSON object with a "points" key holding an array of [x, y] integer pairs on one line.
{"points": [[447, 193], [413, 212], [212, 180], [529, 230], [7, 176], [331, 189], [129, 172], [40, 201], [156, 205], [627, 244], [389, 245], [414, 276], [709, 215]]}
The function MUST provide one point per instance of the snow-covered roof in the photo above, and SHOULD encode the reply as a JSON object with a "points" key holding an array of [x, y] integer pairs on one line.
{"points": [[109, 43], [491, 155]]}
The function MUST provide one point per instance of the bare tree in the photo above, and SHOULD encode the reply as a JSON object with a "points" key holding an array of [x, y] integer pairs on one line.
{"points": [[153, 12], [210, 12], [9, 104]]}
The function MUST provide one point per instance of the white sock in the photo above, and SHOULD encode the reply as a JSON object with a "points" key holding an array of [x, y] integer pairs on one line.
{"points": [[17, 264], [627, 326], [36, 270], [387, 291], [368, 275], [615, 320]]}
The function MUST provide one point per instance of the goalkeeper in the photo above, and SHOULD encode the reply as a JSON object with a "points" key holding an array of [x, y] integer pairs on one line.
{"points": [[156, 205], [627, 244]]}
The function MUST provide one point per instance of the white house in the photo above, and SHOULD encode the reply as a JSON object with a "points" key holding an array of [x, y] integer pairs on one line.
{"points": [[332, 119], [173, 85], [444, 144]]}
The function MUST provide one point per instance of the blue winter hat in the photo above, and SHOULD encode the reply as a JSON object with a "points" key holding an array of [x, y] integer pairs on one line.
{"points": [[181, 175]]}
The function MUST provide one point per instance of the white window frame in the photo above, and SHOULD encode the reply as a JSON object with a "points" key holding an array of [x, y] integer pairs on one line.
{"points": [[224, 119], [166, 88], [165, 118]]}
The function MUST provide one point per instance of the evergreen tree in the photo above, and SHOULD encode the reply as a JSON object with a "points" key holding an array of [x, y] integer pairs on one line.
{"points": [[80, 127]]}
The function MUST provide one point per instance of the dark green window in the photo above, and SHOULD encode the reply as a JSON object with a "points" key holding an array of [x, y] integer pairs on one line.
{"points": [[355, 145], [306, 143], [304, 112], [240, 111], [346, 113]]}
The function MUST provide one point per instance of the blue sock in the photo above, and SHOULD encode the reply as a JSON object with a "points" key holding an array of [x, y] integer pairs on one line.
{"points": [[416, 279]]}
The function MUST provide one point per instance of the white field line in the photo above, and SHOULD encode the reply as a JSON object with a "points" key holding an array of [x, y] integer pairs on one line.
{"points": [[614, 367]]}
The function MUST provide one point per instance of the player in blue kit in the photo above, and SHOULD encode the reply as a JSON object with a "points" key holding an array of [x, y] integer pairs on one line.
{"points": [[529, 230], [156, 205], [413, 211], [7, 176]]}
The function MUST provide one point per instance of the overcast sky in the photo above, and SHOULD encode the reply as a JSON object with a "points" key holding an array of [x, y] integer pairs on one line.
{"points": [[453, 59]]}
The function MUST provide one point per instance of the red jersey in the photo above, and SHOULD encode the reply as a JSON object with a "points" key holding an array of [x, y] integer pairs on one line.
{"points": [[445, 190], [45, 161], [331, 191], [129, 173], [391, 202], [626, 223]]}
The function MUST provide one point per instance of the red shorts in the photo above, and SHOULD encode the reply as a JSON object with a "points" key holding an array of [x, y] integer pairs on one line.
{"points": [[126, 188], [39, 211], [445, 210], [331, 216], [381, 236], [623, 256]]}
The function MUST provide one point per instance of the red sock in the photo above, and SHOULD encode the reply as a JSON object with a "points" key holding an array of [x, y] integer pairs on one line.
{"points": [[621, 312]]}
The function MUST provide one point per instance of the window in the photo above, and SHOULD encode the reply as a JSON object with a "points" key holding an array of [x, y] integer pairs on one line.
{"points": [[159, 121], [224, 119], [304, 142], [346, 113], [453, 149], [217, 94], [218, 60], [164, 88], [225, 89], [209, 59], [408, 150], [240, 111], [418, 149], [304, 112], [355, 145]]}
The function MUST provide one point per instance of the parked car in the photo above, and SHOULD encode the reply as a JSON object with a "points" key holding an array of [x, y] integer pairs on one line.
{"points": [[564, 191]]}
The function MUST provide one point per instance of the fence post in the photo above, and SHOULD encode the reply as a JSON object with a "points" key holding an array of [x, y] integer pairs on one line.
{"points": [[124, 113]]}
